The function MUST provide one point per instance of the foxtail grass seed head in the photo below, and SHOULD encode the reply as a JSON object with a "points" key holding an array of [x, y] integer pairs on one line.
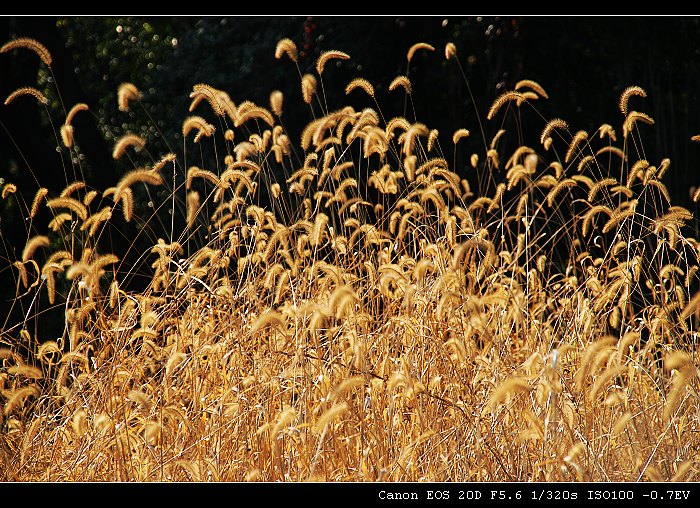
{"points": [[215, 98], [33, 244], [126, 93], [416, 47], [27, 90], [532, 85], [38, 197], [578, 138], [360, 83], [555, 123], [126, 141], [330, 415], [67, 135], [32, 45], [626, 94], [276, 99], [401, 81], [502, 100], [695, 194], [169, 157], [81, 106], [329, 55], [459, 134], [308, 87], [196, 122], [286, 47], [632, 118]]}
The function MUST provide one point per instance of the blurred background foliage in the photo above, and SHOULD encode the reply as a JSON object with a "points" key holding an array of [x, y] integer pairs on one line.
{"points": [[584, 63]]}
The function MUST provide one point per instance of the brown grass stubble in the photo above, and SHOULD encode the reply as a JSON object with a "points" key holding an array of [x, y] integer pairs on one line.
{"points": [[411, 330]]}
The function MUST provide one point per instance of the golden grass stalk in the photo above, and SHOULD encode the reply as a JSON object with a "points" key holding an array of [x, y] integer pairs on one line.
{"points": [[93, 222], [632, 118], [607, 130], [533, 85], [594, 354], [663, 167], [626, 94], [31, 44], [58, 220], [692, 307], [195, 172], [682, 470], [492, 157], [26, 90], [600, 184], [494, 140], [253, 112], [459, 134], [603, 379], [329, 55], [18, 397], [203, 127], [70, 203], [554, 123], [79, 422], [270, 318], [683, 366], [506, 390], [347, 385], [578, 138], [409, 137], [28, 371], [210, 94], [276, 99], [585, 162], [71, 188], [348, 332], [328, 416], [40, 194], [175, 359], [308, 87], [398, 81], [169, 157], [288, 47], [419, 45], [360, 83], [125, 142], [126, 196], [137, 175], [286, 416], [613, 150], [33, 244], [126, 93], [89, 196], [67, 135], [621, 423], [23, 273], [81, 106], [503, 99]]}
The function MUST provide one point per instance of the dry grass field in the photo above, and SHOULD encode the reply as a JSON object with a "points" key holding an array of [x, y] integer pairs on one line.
{"points": [[354, 303]]}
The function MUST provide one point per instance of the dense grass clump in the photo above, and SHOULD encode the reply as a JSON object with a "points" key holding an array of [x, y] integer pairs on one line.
{"points": [[368, 299]]}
